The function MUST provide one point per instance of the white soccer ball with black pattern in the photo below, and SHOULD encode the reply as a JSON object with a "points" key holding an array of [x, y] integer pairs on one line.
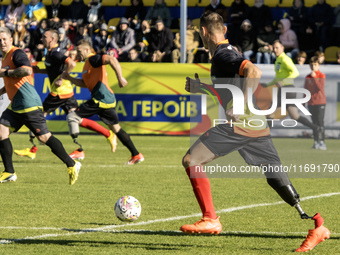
{"points": [[127, 208]]}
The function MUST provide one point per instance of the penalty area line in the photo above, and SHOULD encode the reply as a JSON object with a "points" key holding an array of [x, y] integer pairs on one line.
{"points": [[112, 228]]}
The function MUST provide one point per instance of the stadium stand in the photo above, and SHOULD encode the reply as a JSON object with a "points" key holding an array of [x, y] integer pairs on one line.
{"points": [[112, 23], [310, 3], [192, 3], [285, 3], [203, 3], [333, 3], [271, 3], [330, 54], [123, 2]]}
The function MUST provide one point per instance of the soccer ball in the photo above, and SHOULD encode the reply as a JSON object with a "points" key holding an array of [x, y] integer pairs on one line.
{"points": [[127, 208]]}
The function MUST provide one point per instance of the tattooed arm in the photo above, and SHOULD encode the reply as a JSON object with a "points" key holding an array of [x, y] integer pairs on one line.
{"points": [[16, 73]]}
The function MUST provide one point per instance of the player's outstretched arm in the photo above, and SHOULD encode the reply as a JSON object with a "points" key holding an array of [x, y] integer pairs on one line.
{"points": [[113, 62], [69, 65], [16, 73], [193, 85], [37, 69], [78, 82]]}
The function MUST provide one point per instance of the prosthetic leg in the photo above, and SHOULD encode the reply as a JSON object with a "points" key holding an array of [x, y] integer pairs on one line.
{"points": [[280, 182]]}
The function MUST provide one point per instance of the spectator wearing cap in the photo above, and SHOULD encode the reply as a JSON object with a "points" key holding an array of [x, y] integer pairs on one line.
{"points": [[123, 39], [159, 11], [160, 43], [95, 15], [245, 39], [34, 12], [64, 42], [56, 11], [14, 13], [100, 40]]}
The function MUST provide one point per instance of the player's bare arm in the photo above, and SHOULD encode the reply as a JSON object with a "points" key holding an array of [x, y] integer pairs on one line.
{"points": [[70, 64], [252, 76], [37, 69], [16, 73], [113, 62], [2, 91], [78, 82]]}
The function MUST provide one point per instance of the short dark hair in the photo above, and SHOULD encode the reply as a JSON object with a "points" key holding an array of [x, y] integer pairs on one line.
{"points": [[278, 41], [301, 54], [212, 21], [54, 33], [314, 59]]}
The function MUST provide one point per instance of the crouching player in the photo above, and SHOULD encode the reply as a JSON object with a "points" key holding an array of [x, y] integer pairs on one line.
{"points": [[103, 101], [254, 144]]}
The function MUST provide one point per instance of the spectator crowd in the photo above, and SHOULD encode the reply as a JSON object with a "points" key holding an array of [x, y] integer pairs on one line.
{"points": [[145, 35]]}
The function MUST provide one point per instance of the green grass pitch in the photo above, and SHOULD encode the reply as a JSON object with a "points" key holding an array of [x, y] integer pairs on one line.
{"points": [[43, 214]]}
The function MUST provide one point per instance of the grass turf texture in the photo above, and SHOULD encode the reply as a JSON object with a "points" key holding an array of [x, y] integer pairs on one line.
{"points": [[43, 214]]}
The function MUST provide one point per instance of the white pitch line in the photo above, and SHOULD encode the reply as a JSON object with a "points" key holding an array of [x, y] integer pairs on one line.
{"points": [[112, 227]]}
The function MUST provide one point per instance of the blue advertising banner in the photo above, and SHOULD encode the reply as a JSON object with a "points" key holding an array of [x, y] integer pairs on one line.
{"points": [[135, 107]]}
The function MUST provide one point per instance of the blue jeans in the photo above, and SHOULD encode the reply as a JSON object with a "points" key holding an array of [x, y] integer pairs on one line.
{"points": [[266, 58], [247, 54]]}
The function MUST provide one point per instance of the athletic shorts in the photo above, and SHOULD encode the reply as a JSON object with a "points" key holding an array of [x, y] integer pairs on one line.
{"points": [[288, 96], [51, 103], [34, 120], [221, 140], [89, 108]]}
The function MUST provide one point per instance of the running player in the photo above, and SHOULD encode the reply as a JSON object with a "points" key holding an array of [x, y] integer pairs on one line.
{"points": [[25, 109], [61, 95], [254, 145], [285, 73], [103, 100]]}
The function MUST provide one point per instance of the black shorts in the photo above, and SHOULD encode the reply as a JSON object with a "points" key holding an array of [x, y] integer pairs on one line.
{"points": [[34, 120], [89, 108], [221, 140], [51, 103], [290, 95]]}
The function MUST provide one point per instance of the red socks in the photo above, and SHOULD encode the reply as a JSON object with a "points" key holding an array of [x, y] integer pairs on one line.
{"points": [[34, 149], [201, 186], [94, 126], [318, 220]]}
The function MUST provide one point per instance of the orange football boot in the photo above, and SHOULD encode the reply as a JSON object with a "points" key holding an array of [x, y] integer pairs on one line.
{"points": [[203, 226], [135, 159], [315, 236]]}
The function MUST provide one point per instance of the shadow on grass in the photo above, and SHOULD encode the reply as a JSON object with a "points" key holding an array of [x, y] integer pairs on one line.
{"points": [[121, 244]]}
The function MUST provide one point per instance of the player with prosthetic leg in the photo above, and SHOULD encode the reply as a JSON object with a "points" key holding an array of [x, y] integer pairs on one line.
{"points": [[61, 95], [253, 143], [103, 101]]}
